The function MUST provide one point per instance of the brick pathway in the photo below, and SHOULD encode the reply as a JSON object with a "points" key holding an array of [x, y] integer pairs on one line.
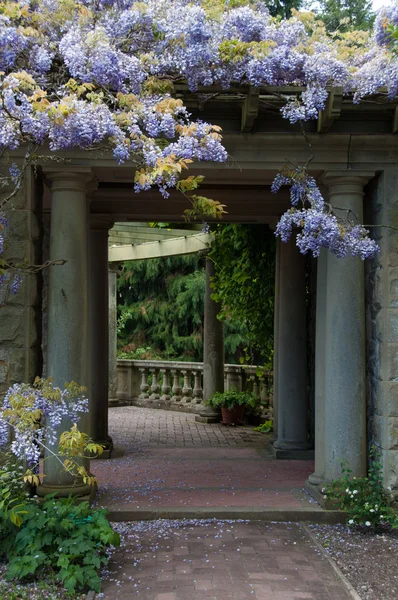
{"points": [[168, 560], [172, 462], [132, 427]]}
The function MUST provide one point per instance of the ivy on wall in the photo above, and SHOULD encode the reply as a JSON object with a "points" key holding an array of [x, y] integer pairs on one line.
{"points": [[244, 284]]}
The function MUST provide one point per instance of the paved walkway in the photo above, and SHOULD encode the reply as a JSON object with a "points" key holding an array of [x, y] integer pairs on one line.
{"points": [[171, 462], [134, 428], [166, 560]]}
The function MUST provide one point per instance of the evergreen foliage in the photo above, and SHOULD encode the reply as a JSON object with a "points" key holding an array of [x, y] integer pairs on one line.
{"points": [[244, 259], [282, 8], [347, 14], [161, 308]]}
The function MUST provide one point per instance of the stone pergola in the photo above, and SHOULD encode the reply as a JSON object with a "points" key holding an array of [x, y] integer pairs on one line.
{"points": [[354, 156]]}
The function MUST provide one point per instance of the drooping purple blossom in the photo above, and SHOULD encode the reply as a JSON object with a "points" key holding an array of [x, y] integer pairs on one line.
{"points": [[53, 408], [111, 52], [314, 224]]}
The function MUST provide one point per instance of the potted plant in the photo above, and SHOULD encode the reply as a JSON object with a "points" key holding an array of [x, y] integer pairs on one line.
{"points": [[232, 405]]}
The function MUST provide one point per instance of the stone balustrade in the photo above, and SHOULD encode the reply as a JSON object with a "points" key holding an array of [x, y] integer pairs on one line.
{"points": [[178, 385]]}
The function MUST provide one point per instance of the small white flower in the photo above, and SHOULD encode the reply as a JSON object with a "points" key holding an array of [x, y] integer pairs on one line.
{"points": [[371, 510], [347, 491], [325, 497], [381, 516], [355, 492], [351, 522], [37, 556], [367, 523]]}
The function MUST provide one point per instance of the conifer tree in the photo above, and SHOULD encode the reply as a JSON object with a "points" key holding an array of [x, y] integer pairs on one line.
{"points": [[357, 14]]}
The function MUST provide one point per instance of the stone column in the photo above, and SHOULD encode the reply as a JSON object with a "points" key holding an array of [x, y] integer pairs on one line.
{"points": [[68, 354], [112, 337], [292, 354], [344, 345], [98, 331], [276, 339], [318, 476], [213, 350]]}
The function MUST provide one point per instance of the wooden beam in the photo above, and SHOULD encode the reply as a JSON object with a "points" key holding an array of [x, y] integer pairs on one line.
{"points": [[250, 109], [175, 247], [332, 110]]}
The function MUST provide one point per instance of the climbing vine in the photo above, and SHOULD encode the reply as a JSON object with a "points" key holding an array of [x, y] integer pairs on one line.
{"points": [[113, 75], [244, 260]]}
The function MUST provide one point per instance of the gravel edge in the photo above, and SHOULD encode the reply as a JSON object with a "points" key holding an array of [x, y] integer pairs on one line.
{"points": [[91, 595], [352, 592]]}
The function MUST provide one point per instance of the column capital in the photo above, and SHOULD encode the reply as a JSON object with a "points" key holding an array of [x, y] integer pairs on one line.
{"points": [[70, 179], [348, 178], [101, 222]]}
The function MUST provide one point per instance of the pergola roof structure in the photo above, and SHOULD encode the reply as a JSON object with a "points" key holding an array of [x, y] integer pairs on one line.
{"points": [[138, 241]]}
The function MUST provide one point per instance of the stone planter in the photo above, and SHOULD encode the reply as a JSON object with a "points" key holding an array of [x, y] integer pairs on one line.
{"points": [[233, 416]]}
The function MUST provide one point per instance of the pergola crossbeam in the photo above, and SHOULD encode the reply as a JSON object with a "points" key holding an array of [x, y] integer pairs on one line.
{"points": [[250, 109], [332, 110], [160, 249]]}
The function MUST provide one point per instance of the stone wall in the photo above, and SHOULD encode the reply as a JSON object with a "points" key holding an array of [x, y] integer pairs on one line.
{"points": [[20, 314], [381, 208]]}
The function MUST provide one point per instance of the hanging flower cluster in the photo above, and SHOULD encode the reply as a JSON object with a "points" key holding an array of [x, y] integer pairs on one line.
{"points": [[101, 74], [315, 223], [35, 414]]}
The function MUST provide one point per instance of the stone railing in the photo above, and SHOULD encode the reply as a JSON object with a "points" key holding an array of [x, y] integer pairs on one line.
{"points": [[178, 385]]}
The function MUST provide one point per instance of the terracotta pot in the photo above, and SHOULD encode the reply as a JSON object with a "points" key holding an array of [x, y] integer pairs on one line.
{"points": [[233, 416]]}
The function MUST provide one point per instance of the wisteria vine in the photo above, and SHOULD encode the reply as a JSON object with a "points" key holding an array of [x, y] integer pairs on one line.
{"points": [[31, 417], [102, 73]]}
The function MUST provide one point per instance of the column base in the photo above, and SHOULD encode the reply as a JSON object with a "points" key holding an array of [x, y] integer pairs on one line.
{"points": [[316, 492], [81, 492], [207, 415], [315, 479], [108, 448], [293, 451]]}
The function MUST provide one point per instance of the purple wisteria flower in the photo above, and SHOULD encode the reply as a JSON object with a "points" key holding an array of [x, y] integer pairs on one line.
{"points": [[314, 225], [50, 405]]}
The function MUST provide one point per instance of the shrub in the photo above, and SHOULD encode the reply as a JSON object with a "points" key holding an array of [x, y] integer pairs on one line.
{"points": [[232, 398], [364, 498], [64, 539], [265, 427]]}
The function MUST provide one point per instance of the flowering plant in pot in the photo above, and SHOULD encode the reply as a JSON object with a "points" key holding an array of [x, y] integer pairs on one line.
{"points": [[232, 405]]}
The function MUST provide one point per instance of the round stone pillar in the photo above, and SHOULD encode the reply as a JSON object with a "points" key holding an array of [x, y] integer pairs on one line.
{"points": [[98, 330], [67, 350], [292, 353], [344, 344], [318, 475], [112, 337], [213, 350]]}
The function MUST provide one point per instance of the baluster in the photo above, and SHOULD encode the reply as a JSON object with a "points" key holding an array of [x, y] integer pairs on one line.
{"points": [[198, 390], [166, 388], [256, 386], [155, 387], [176, 389], [187, 388], [122, 383], [144, 387]]}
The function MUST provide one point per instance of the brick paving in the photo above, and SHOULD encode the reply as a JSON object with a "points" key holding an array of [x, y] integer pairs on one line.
{"points": [[172, 462], [166, 560], [132, 427]]}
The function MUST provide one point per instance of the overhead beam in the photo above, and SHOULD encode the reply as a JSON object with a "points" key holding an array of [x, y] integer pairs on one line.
{"points": [[250, 109], [163, 248], [332, 110]]}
